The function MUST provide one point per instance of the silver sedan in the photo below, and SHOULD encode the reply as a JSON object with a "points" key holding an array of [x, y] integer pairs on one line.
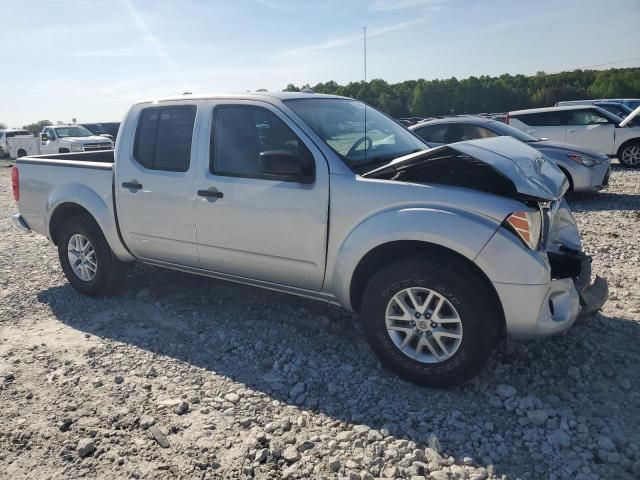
{"points": [[587, 170]]}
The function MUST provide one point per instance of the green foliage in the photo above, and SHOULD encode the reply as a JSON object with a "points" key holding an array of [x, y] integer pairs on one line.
{"points": [[37, 127], [485, 94]]}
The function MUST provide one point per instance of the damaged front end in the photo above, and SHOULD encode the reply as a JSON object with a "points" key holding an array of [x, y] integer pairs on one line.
{"points": [[535, 261], [567, 260]]}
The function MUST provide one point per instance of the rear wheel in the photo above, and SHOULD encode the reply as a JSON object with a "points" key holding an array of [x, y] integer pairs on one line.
{"points": [[21, 153], [431, 320], [629, 155], [86, 258]]}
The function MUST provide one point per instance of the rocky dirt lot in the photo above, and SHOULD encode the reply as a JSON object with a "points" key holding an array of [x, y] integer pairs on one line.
{"points": [[179, 376]]}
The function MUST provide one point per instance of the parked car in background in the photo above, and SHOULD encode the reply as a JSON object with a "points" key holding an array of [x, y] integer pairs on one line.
{"points": [[104, 129], [441, 251], [586, 126], [71, 138], [587, 170], [632, 103], [8, 133], [619, 109]]}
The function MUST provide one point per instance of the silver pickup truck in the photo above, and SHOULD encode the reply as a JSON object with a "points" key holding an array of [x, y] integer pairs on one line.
{"points": [[441, 251]]}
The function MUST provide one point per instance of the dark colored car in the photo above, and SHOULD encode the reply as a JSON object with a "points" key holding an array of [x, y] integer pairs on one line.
{"points": [[105, 128]]}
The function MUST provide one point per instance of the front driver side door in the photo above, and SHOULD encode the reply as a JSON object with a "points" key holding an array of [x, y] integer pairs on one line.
{"points": [[51, 144], [589, 129], [254, 225]]}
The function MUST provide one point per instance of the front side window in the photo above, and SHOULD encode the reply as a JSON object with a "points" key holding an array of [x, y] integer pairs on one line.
{"points": [[49, 133], [472, 132], [584, 117], [163, 138], [240, 134]]}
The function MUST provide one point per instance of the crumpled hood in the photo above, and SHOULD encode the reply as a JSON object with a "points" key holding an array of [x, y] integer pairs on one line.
{"points": [[530, 173], [567, 148]]}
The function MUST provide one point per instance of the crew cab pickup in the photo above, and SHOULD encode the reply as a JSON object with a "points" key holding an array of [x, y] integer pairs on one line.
{"points": [[441, 251]]}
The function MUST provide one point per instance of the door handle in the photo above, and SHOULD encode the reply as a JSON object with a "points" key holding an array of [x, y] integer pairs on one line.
{"points": [[132, 185], [211, 193], [571, 131]]}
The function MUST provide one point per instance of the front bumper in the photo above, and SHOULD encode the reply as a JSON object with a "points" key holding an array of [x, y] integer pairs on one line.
{"points": [[19, 222], [591, 179], [534, 311]]}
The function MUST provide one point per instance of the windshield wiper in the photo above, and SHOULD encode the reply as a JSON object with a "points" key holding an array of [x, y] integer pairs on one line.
{"points": [[383, 160]]}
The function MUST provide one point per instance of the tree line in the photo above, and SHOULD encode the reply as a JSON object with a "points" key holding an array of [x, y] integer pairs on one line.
{"points": [[485, 94]]}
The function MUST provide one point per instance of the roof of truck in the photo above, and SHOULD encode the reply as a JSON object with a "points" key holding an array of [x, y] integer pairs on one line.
{"points": [[240, 96]]}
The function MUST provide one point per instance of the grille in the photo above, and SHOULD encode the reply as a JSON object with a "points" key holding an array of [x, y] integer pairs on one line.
{"points": [[90, 147]]}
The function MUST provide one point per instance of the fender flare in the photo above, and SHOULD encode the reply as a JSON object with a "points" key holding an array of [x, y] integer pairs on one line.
{"points": [[463, 232], [98, 207]]}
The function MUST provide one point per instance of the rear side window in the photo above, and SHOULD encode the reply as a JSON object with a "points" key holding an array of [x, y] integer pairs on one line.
{"points": [[163, 138], [543, 119], [241, 133]]}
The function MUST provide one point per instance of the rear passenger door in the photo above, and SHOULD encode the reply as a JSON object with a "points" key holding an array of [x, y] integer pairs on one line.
{"points": [[155, 184], [590, 129], [549, 125], [256, 225]]}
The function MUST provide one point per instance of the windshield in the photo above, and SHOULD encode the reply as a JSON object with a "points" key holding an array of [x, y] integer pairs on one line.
{"points": [[362, 144], [76, 131], [633, 104], [509, 131]]}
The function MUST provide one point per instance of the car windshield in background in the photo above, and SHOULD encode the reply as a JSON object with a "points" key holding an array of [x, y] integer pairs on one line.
{"points": [[362, 144], [509, 131], [78, 131]]}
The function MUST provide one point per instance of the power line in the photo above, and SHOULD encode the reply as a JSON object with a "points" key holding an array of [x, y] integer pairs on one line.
{"points": [[599, 65]]}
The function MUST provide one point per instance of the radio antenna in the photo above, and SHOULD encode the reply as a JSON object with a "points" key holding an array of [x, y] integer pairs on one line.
{"points": [[365, 92]]}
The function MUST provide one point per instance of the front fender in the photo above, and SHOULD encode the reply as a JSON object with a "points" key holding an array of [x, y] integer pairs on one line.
{"points": [[463, 232], [99, 207]]}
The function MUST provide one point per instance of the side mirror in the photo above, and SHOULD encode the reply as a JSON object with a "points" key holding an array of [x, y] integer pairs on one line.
{"points": [[44, 137], [282, 163]]}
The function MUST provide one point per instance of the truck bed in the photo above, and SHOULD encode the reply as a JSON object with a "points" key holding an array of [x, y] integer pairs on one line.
{"points": [[101, 156], [46, 179]]}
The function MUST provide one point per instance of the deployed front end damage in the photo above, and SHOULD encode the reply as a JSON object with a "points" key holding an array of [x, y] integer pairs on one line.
{"points": [[545, 286]]}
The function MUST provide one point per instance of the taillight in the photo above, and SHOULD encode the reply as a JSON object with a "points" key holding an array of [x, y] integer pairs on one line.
{"points": [[15, 182]]}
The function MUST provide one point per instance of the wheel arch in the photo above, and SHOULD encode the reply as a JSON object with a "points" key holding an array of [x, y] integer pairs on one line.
{"points": [[625, 145], [73, 199], [390, 252], [569, 177]]}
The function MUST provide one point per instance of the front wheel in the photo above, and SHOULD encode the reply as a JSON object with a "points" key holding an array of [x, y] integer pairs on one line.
{"points": [[86, 258], [629, 155], [431, 320]]}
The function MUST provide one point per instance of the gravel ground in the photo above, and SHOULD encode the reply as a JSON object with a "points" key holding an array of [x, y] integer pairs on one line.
{"points": [[179, 376]]}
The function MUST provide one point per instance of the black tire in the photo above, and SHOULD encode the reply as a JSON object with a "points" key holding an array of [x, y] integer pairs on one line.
{"points": [[64, 150], [626, 148], [108, 268], [22, 153], [463, 288]]}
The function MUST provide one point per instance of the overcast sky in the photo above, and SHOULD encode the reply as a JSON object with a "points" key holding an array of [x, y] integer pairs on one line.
{"points": [[90, 59]]}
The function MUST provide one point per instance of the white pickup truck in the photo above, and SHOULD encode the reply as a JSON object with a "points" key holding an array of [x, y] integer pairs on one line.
{"points": [[71, 138], [442, 251]]}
